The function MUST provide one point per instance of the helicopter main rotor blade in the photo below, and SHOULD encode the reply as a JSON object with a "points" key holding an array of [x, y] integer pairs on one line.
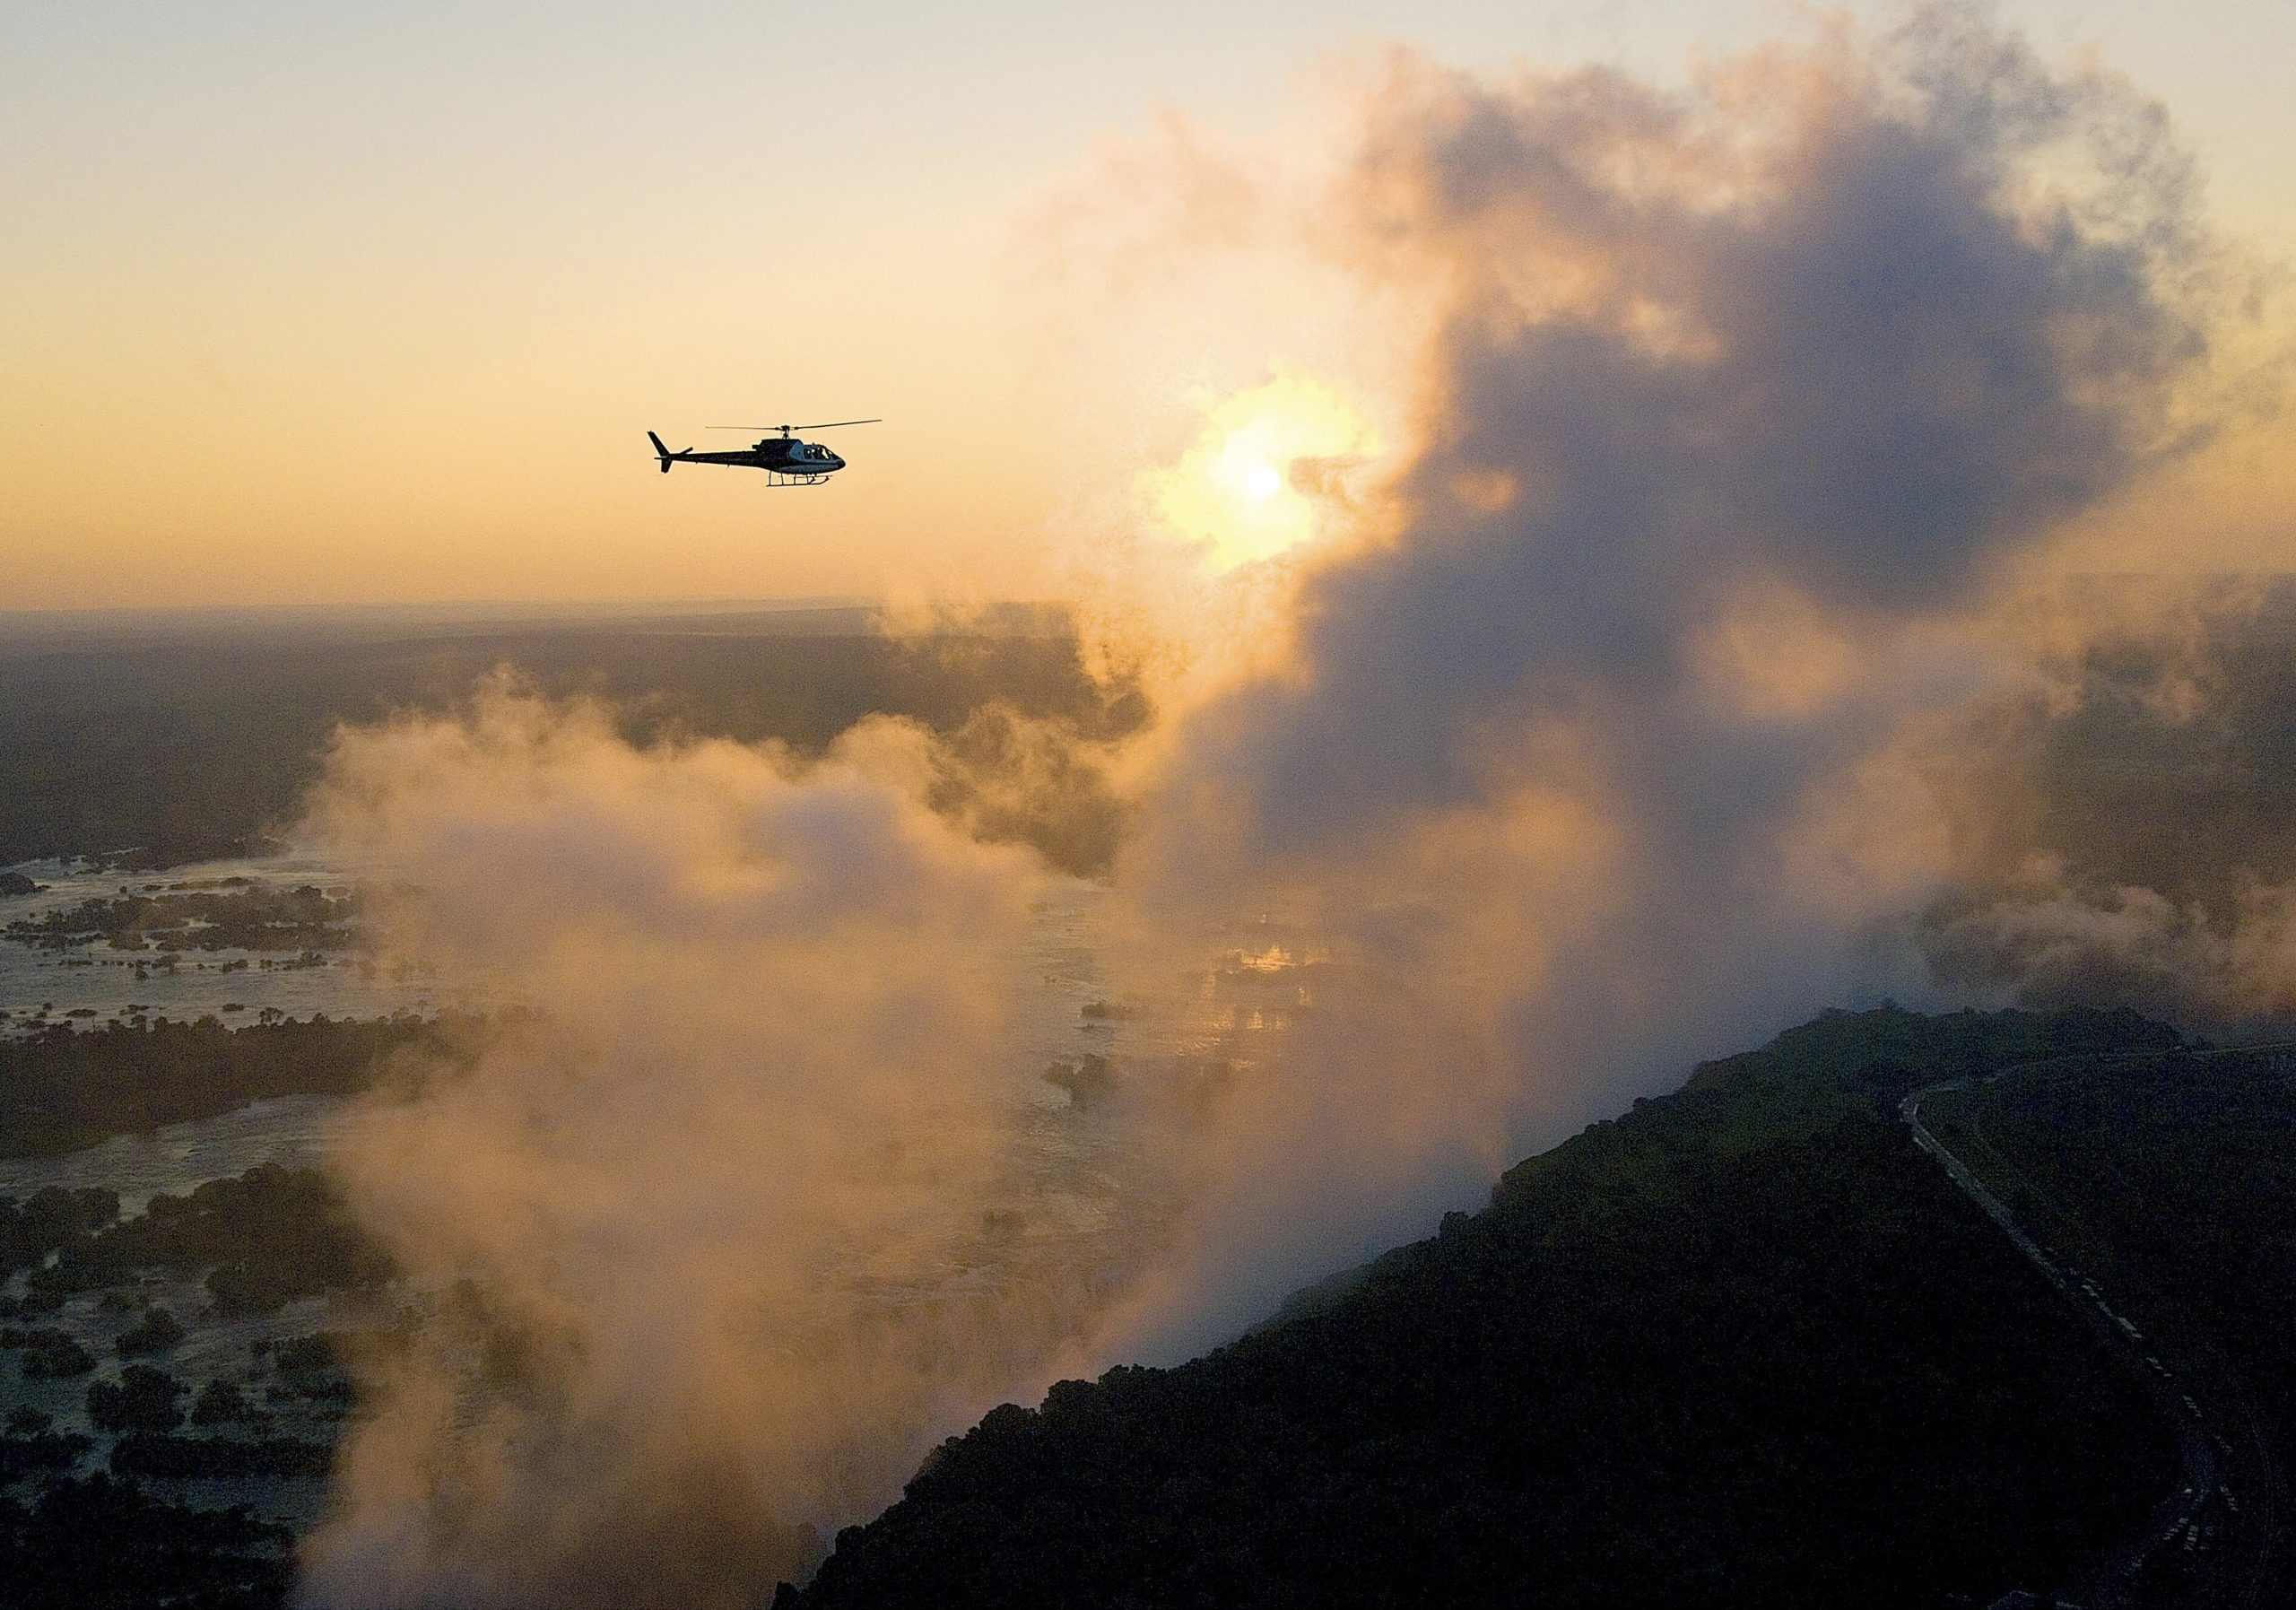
{"points": [[830, 426]]}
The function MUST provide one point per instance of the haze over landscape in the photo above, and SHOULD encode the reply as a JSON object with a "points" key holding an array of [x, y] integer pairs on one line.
{"points": [[1418, 587]]}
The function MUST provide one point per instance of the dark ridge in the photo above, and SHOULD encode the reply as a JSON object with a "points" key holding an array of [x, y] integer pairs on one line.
{"points": [[1744, 1345]]}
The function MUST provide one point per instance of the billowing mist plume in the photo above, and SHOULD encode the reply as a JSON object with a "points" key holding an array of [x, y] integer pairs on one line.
{"points": [[1679, 677], [660, 1237], [1744, 404]]}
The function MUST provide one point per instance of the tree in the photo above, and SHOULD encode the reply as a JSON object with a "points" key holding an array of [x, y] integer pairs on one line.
{"points": [[144, 1399], [156, 1332], [218, 1402]]}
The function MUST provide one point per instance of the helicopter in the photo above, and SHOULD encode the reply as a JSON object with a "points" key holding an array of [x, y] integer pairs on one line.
{"points": [[788, 460]]}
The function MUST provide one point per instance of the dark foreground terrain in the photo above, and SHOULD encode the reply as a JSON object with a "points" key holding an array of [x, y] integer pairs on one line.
{"points": [[1746, 1345]]}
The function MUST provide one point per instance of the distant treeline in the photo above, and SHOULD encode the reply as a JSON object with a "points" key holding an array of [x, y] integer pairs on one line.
{"points": [[219, 1458], [192, 750], [62, 1089], [207, 919]]}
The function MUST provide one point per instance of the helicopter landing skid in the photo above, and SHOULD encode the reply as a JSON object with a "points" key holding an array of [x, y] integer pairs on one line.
{"points": [[783, 478]]}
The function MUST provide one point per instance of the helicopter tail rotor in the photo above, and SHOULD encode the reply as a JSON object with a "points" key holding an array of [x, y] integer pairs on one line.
{"points": [[660, 451]]}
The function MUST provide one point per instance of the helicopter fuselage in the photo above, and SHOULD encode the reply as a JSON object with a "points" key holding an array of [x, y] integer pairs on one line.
{"points": [[787, 459], [783, 455]]}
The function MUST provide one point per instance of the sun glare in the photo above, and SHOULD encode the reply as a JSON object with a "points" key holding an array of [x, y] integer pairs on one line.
{"points": [[1256, 480]]}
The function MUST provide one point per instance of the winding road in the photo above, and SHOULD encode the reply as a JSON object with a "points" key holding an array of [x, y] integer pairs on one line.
{"points": [[2206, 1511]]}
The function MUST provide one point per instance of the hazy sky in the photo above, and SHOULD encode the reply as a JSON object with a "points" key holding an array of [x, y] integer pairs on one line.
{"points": [[374, 302]]}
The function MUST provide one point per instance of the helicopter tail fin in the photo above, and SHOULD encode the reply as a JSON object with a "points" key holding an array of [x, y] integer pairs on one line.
{"points": [[660, 451]]}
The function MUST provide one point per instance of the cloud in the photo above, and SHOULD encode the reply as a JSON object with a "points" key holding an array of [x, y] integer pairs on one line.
{"points": [[1822, 351], [2124, 810], [701, 1249]]}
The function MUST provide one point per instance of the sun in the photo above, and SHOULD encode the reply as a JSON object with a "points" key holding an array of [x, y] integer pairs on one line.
{"points": [[1256, 480]]}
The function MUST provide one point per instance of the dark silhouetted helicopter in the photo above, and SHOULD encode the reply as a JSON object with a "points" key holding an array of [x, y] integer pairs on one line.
{"points": [[786, 460]]}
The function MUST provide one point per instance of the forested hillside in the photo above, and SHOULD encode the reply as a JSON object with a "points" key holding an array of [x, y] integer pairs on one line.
{"points": [[1744, 1345]]}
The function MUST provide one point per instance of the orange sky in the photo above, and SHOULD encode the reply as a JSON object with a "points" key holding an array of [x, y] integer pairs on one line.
{"points": [[303, 307]]}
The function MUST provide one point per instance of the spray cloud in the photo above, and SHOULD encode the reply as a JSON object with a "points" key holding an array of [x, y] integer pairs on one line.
{"points": [[1744, 406], [667, 1237]]}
